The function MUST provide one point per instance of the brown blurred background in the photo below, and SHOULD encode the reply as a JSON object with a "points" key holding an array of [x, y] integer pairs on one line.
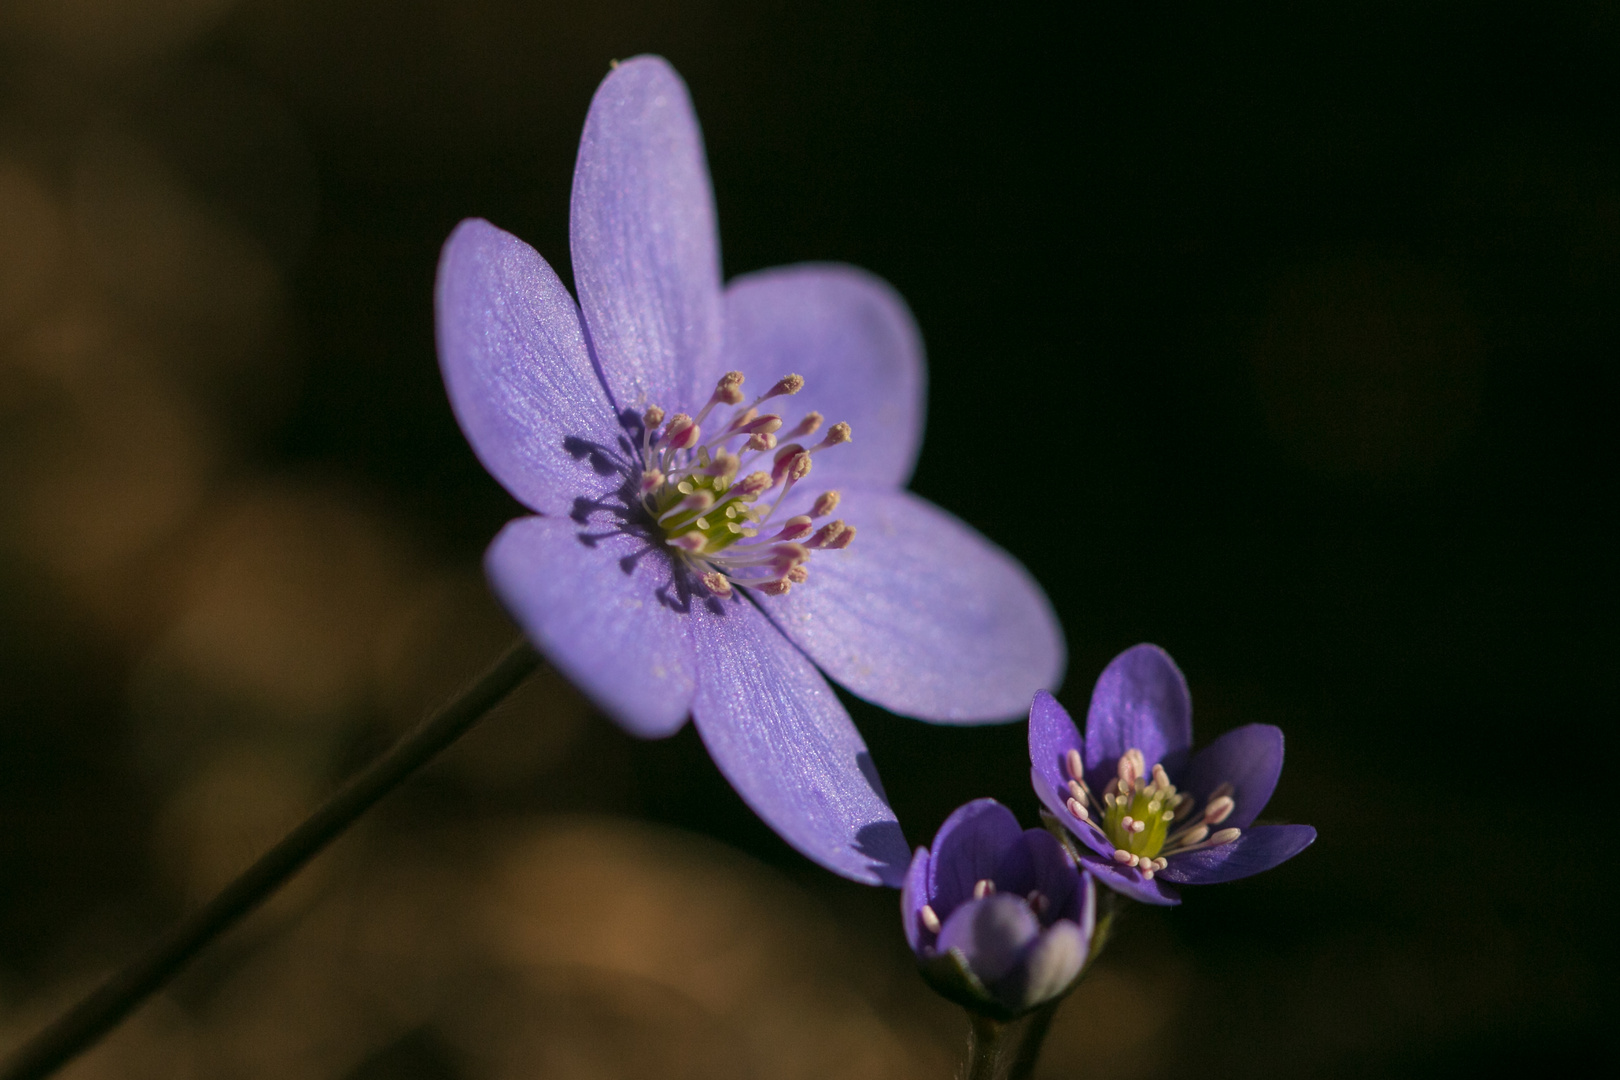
{"points": [[1304, 325]]}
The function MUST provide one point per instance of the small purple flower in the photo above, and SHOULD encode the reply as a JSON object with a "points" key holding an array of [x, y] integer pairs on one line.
{"points": [[681, 562], [999, 917], [1142, 812]]}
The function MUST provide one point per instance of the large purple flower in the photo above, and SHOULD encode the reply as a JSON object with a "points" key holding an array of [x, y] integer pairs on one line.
{"points": [[999, 917], [1142, 812], [681, 562]]}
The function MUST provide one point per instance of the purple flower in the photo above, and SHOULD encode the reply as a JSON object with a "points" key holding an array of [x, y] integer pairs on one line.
{"points": [[1142, 812], [687, 558], [999, 917]]}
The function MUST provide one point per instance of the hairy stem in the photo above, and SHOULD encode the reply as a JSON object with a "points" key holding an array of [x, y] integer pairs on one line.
{"points": [[79, 1028]]}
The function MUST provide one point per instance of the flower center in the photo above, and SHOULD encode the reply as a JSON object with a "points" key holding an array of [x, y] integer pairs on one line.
{"points": [[1138, 809], [690, 487]]}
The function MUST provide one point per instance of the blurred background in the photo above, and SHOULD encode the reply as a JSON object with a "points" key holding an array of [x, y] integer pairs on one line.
{"points": [[1304, 324]]}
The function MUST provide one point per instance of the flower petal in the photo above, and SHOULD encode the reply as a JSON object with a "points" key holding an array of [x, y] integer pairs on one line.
{"points": [[968, 848], [1140, 702], [1048, 966], [991, 934], [913, 898], [1052, 735], [1036, 862], [642, 232], [854, 341], [1259, 848], [597, 604], [924, 616], [1250, 758], [1127, 881], [779, 734], [512, 351]]}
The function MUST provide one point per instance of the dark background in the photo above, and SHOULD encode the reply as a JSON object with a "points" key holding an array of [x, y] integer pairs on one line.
{"points": [[1283, 338]]}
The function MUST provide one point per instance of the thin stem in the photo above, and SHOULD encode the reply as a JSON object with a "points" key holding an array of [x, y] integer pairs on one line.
{"points": [[1028, 1053], [78, 1028], [984, 1047]]}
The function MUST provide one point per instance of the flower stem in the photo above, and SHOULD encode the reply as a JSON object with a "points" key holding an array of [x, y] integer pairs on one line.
{"points": [[984, 1047], [1029, 1042], [78, 1028]]}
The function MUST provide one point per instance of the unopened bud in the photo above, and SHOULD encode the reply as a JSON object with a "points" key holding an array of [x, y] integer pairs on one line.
{"points": [[826, 503]]}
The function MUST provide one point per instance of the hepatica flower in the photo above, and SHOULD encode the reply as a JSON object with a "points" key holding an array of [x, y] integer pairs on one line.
{"points": [[999, 917], [1144, 811], [717, 475]]}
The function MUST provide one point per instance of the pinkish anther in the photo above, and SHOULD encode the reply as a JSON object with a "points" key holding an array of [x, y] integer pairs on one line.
{"points": [[795, 528], [808, 426]]}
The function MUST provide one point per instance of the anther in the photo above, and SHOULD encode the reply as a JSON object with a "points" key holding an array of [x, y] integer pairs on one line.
{"points": [[724, 466], [768, 423], [843, 540], [1078, 790], [1037, 901], [827, 534], [825, 504], [838, 433], [1126, 822], [652, 417], [1124, 857], [930, 919], [717, 583], [728, 390], [1076, 767], [752, 485], [808, 426], [1161, 779], [762, 440], [1195, 835], [794, 528], [1078, 811], [1225, 836], [742, 418], [692, 541], [1138, 826], [682, 433], [651, 480], [787, 385], [982, 888], [1218, 810], [778, 587], [786, 555], [799, 574], [698, 500]]}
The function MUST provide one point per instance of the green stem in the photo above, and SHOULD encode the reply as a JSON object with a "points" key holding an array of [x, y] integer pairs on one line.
{"points": [[984, 1047], [1029, 1043], [78, 1028]]}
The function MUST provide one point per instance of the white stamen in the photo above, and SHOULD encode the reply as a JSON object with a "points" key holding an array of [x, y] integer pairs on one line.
{"points": [[982, 888], [1138, 826], [1123, 856], [1218, 810], [930, 920], [1078, 790], [1078, 811], [717, 583], [1077, 768]]}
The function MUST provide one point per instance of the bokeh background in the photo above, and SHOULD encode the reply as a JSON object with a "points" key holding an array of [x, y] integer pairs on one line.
{"points": [[1282, 335]]}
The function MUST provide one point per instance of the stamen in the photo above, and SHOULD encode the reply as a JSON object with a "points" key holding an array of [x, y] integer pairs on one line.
{"points": [[651, 481], [930, 919], [692, 541], [724, 466], [1076, 767], [982, 888], [799, 574], [681, 434], [752, 485], [1219, 810], [839, 433], [729, 388], [717, 583], [1124, 857], [1078, 811], [843, 540], [786, 386], [778, 587], [1038, 903], [808, 426], [1225, 836], [762, 440], [827, 534], [1078, 790], [825, 504], [795, 528]]}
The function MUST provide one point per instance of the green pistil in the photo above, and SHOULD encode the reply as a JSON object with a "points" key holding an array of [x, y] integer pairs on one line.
{"points": [[719, 525], [1148, 806]]}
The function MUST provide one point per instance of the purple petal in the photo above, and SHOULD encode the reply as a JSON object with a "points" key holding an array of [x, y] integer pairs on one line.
{"points": [[913, 898], [642, 231], [1259, 848], [967, 849], [854, 341], [1037, 862], [1141, 702], [512, 351], [1250, 758], [1049, 965], [923, 616], [991, 934], [1127, 881], [779, 734], [1052, 735], [589, 600]]}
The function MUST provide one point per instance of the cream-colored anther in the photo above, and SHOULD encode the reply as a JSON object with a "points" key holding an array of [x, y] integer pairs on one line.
{"points": [[982, 888], [762, 440], [1219, 810], [651, 481], [1076, 767], [778, 587], [809, 425], [838, 433], [825, 504], [930, 919], [798, 575], [717, 583], [843, 540], [786, 386]]}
